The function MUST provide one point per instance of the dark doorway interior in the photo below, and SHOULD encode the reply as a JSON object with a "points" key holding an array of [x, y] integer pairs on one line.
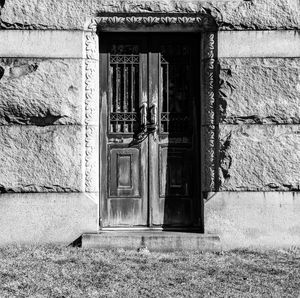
{"points": [[150, 138]]}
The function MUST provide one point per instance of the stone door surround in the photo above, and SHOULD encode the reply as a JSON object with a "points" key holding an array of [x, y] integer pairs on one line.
{"points": [[158, 22]]}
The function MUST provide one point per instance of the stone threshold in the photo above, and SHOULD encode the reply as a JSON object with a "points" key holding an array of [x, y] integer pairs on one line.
{"points": [[152, 240]]}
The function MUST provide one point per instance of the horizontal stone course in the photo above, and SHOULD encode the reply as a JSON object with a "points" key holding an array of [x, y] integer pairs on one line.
{"points": [[259, 157], [60, 44], [41, 91], [47, 218], [162, 241], [41, 159], [259, 90], [280, 43], [260, 219], [73, 14], [42, 44]]}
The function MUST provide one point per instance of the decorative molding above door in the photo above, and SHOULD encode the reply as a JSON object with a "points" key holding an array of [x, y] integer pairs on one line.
{"points": [[109, 22]]}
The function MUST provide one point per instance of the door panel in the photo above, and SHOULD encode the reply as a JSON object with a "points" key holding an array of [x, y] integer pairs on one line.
{"points": [[124, 172], [174, 171], [151, 143], [126, 196], [174, 193]]}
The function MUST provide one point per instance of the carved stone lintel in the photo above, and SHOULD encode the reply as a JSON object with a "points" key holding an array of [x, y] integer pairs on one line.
{"points": [[200, 21]]}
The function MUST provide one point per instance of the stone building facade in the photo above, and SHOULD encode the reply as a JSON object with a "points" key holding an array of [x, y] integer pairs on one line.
{"points": [[54, 176]]}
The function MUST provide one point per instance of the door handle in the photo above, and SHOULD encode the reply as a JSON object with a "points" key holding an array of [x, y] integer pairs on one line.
{"points": [[153, 115], [142, 133], [153, 125], [144, 111], [146, 127]]}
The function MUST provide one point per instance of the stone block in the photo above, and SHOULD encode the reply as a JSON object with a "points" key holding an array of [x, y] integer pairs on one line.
{"points": [[73, 14], [260, 90], [235, 44], [41, 159], [259, 219], [42, 44], [41, 92], [47, 218], [259, 157], [152, 241], [256, 14]]}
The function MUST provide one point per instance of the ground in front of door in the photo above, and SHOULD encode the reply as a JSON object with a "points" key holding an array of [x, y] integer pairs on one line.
{"points": [[52, 271]]}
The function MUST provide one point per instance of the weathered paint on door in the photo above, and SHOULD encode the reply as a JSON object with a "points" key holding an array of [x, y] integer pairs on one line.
{"points": [[149, 159]]}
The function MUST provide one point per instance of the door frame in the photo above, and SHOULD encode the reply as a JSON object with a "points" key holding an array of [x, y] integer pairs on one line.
{"points": [[95, 102]]}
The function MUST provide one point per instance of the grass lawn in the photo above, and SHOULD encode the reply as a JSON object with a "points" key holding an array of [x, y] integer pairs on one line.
{"points": [[53, 271]]}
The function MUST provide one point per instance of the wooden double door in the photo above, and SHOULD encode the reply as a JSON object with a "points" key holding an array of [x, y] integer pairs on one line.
{"points": [[150, 161]]}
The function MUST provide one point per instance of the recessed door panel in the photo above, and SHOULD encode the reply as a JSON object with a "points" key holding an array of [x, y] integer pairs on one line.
{"points": [[124, 172], [125, 212], [175, 171]]}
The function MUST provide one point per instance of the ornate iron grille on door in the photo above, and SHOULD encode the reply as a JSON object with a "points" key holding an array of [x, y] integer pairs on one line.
{"points": [[124, 81]]}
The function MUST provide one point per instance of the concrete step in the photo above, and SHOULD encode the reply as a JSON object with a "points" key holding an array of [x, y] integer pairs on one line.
{"points": [[152, 240]]}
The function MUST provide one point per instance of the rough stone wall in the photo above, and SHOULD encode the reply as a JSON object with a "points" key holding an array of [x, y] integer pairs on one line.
{"points": [[41, 159], [260, 157], [40, 91], [259, 127], [72, 14], [259, 90], [255, 94], [40, 124], [48, 123]]}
